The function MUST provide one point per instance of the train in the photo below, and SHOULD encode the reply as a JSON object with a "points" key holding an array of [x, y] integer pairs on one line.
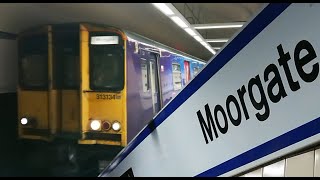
{"points": [[93, 86]]}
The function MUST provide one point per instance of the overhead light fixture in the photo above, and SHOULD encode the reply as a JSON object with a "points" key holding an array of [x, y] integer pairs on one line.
{"points": [[163, 8], [179, 22], [203, 43], [218, 25], [208, 47], [169, 10], [216, 47], [190, 31], [198, 38], [211, 50], [217, 40]]}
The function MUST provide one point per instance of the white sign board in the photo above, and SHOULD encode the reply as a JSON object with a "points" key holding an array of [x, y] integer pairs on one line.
{"points": [[258, 99], [103, 40]]}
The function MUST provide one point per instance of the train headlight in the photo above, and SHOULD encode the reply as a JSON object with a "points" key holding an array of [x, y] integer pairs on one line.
{"points": [[28, 122], [116, 126], [95, 125], [24, 121]]}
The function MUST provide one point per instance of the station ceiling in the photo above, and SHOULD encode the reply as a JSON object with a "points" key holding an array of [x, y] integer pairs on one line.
{"points": [[142, 18]]}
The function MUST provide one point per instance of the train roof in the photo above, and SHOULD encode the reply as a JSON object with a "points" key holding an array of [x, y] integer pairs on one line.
{"points": [[151, 42], [131, 35]]}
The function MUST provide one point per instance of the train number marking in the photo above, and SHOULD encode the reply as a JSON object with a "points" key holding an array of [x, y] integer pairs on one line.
{"points": [[108, 96]]}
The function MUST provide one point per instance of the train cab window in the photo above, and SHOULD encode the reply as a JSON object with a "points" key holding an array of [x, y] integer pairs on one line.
{"points": [[66, 57], [176, 75], [71, 71], [33, 62], [106, 62], [144, 75]]}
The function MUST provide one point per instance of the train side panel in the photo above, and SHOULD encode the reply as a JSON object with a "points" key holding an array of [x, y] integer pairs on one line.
{"points": [[174, 72], [139, 103], [166, 77]]}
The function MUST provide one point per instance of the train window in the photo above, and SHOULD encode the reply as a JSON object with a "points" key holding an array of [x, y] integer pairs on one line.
{"points": [[34, 70], [33, 62], [107, 70], [144, 75], [71, 71], [176, 75], [66, 58], [106, 66]]}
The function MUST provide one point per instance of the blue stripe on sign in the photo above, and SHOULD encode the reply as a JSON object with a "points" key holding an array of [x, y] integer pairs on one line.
{"points": [[262, 20], [298, 134], [5, 35]]}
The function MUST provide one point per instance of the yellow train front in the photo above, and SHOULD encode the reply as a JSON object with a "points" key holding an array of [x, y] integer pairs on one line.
{"points": [[72, 88]]}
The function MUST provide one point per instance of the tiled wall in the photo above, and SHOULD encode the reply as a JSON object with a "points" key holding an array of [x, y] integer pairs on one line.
{"points": [[306, 164]]}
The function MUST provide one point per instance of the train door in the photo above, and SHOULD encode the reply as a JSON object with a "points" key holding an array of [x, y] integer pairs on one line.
{"points": [[154, 82], [187, 71], [67, 68]]}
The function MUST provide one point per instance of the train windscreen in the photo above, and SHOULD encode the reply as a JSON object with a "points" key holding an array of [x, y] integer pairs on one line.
{"points": [[33, 61], [106, 62], [66, 57]]}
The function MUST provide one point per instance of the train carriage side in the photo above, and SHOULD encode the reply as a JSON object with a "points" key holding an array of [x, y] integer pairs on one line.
{"points": [[142, 100], [155, 74]]}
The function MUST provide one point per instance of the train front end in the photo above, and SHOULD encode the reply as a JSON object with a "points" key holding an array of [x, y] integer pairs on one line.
{"points": [[103, 87]]}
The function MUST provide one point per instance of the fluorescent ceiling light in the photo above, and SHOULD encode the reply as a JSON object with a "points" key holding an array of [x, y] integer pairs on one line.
{"points": [[208, 47], [212, 51], [198, 38], [168, 9], [217, 40], [203, 43], [190, 31], [163, 8], [178, 21], [218, 25], [216, 47]]}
